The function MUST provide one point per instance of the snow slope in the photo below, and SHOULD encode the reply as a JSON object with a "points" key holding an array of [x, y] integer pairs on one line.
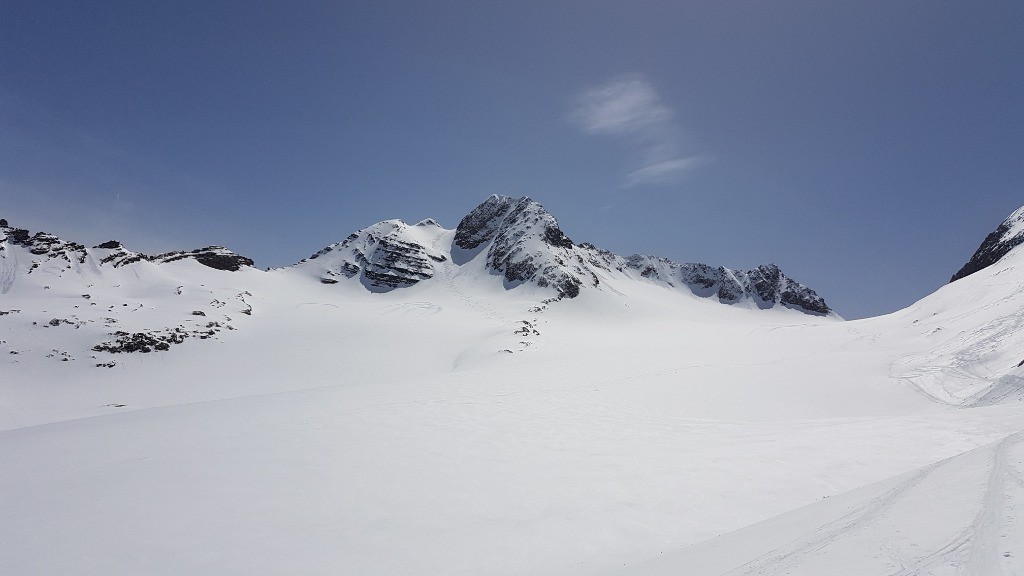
{"points": [[460, 425]]}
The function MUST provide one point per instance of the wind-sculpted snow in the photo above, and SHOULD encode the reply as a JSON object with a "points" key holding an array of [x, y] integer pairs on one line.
{"points": [[1007, 236]]}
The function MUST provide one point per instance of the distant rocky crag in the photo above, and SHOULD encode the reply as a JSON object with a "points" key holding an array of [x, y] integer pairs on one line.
{"points": [[517, 239], [1007, 236]]}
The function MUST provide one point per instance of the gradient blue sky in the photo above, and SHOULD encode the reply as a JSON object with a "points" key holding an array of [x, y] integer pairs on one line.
{"points": [[866, 147]]}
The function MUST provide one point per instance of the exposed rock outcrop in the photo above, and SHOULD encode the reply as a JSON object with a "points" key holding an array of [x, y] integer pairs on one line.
{"points": [[765, 285], [48, 246], [517, 239], [526, 244], [1006, 237], [387, 255]]}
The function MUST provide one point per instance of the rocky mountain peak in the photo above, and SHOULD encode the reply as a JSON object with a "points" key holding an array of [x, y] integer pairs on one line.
{"points": [[387, 255], [999, 243], [520, 241], [766, 286], [482, 223], [525, 244]]}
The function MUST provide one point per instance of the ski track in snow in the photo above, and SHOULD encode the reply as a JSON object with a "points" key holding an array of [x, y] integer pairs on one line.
{"points": [[446, 274], [414, 309], [978, 549], [965, 368], [781, 559]]}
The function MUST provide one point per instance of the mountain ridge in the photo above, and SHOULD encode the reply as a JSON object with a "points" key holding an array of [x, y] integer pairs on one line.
{"points": [[1007, 236], [522, 242]]}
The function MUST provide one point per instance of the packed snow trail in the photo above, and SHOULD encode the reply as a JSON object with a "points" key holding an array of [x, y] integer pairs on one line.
{"points": [[782, 560], [953, 517]]}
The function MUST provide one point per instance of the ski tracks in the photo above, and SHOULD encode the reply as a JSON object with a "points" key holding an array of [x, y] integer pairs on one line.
{"points": [[445, 273], [778, 560], [977, 550]]}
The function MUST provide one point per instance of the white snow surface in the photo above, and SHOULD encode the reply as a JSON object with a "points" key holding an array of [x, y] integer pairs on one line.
{"points": [[1015, 224], [456, 427]]}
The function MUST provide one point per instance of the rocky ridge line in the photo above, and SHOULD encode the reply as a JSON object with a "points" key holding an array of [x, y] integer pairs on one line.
{"points": [[1007, 236]]}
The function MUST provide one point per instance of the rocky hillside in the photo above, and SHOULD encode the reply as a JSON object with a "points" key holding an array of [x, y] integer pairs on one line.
{"points": [[519, 241], [1004, 238], [23, 253], [514, 239]]}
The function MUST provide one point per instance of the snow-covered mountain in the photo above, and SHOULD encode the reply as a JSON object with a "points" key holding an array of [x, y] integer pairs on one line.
{"points": [[518, 240], [504, 242], [498, 399]]}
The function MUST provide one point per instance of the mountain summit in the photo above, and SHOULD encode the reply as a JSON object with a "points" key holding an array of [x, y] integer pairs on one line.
{"points": [[512, 239], [519, 241], [1006, 237]]}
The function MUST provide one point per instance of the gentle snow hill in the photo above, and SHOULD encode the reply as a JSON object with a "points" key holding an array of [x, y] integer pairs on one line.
{"points": [[425, 413]]}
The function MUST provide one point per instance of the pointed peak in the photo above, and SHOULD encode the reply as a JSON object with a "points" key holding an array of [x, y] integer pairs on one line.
{"points": [[482, 223]]}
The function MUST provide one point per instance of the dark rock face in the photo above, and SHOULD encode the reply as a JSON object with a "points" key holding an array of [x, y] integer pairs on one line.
{"points": [[145, 342], [43, 244], [154, 340], [554, 236], [772, 286], [385, 256], [50, 246], [1006, 237], [482, 223], [526, 244], [216, 257], [765, 285], [396, 263]]}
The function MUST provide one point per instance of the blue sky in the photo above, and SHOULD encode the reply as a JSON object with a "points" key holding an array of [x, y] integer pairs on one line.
{"points": [[866, 147]]}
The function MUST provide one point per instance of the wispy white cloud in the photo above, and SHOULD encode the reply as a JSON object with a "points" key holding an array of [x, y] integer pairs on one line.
{"points": [[622, 106], [629, 107], [664, 171]]}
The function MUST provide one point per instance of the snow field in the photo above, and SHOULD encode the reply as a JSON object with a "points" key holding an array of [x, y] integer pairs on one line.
{"points": [[424, 431]]}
